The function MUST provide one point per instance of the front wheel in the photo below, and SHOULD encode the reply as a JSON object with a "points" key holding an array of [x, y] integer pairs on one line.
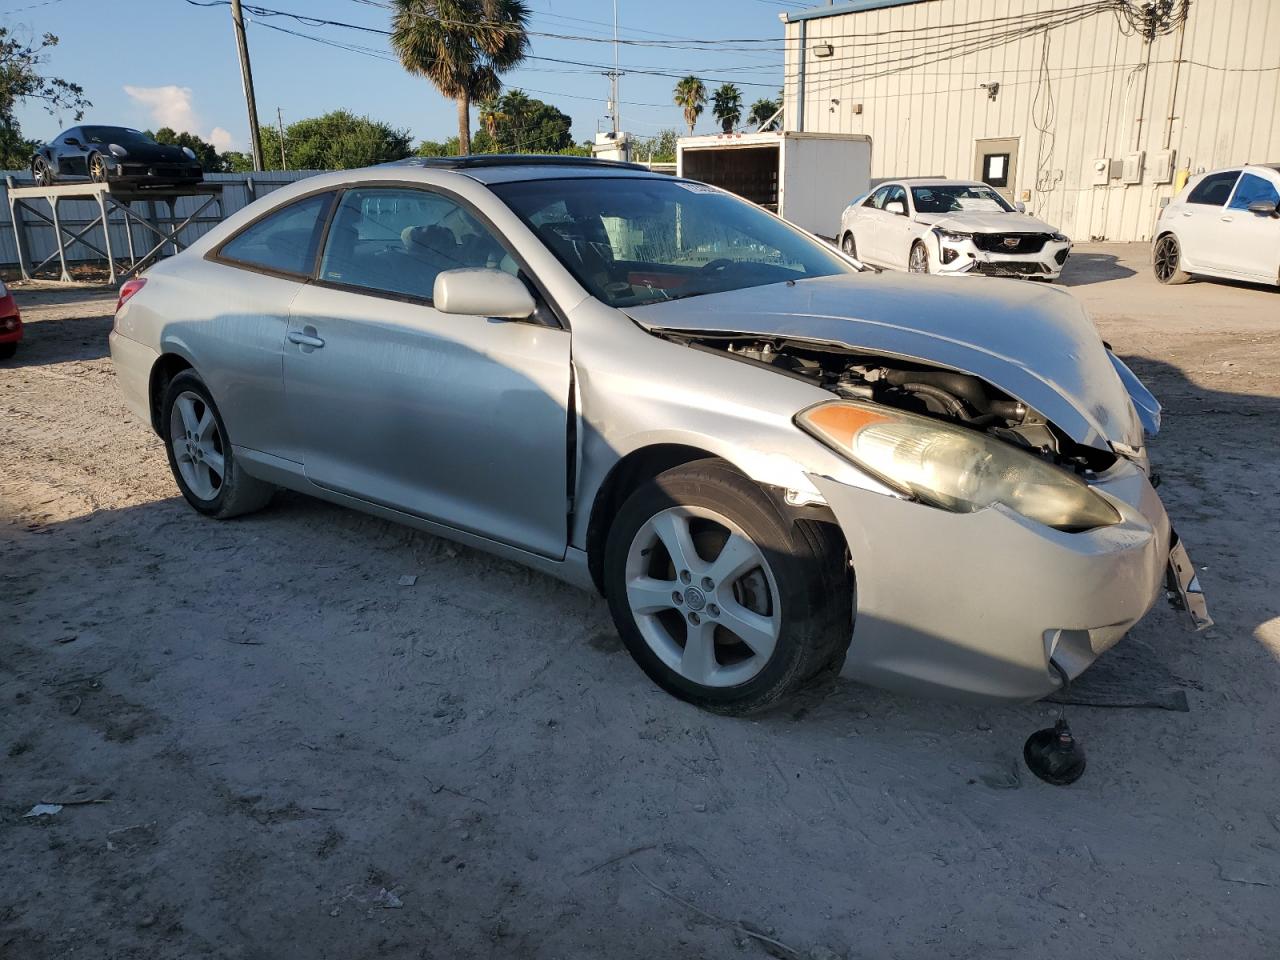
{"points": [[201, 456], [1167, 261], [849, 245], [7, 350], [97, 168], [918, 261], [721, 598]]}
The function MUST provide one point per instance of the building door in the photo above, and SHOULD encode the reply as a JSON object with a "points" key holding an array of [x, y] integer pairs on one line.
{"points": [[995, 162]]}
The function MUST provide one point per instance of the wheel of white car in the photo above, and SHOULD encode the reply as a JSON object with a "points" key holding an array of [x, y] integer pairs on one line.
{"points": [[849, 245], [918, 261], [1167, 261], [200, 454], [720, 597]]}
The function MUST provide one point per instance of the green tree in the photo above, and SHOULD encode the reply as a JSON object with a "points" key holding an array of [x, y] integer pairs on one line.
{"points": [[339, 140], [206, 152], [691, 96], [525, 125], [22, 78], [438, 148], [461, 46], [661, 147], [726, 104], [762, 110]]}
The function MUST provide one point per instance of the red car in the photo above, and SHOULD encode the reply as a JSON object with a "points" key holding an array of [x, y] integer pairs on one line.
{"points": [[10, 323]]}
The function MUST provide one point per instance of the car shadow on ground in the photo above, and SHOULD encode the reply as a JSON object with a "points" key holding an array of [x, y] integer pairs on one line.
{"points": [[1085, 268], [59, 338]]}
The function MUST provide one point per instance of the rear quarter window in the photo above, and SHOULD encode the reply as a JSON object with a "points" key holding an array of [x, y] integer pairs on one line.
{"points": [[284, 241]]}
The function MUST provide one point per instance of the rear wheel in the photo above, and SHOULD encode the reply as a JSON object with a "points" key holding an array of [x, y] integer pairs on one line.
{"points": [[1167, 261], [918, 261], [41, 172], [849, 246], [720, 597], [201, 456]]}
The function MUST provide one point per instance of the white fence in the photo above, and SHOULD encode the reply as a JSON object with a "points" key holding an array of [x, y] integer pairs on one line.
{"points": [[239, 189]]}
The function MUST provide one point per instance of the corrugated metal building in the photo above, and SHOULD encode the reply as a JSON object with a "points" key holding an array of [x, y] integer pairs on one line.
{"points": [[1091, 111]]}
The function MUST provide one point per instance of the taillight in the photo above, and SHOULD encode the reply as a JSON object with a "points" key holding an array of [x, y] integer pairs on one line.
{"points": [[128, 289]]}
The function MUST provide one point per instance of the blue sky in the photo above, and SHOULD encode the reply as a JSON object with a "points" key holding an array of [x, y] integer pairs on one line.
{"points": [[145, 63]]}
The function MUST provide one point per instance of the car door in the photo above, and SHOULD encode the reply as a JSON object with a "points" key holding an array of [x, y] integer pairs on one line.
{"points": [[870, 221], [1250, 242], [461, 420], [1199, 221], [69, 155], [895, 232]]}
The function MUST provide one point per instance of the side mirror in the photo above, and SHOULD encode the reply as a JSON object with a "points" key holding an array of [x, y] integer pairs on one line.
{"points": [[1264, 208], [896, 206], [1020, 207], [478, 292]]}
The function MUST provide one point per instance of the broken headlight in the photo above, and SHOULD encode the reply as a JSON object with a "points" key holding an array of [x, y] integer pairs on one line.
{"points": [[953, 467], [954, 236]]}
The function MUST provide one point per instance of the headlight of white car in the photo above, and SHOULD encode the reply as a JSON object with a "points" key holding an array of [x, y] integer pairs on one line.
{"points": [[1059, 238], [953, 467], [953, 235]]}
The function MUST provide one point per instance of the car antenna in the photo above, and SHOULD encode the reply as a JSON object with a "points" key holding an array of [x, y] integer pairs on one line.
{"points": [[1053, 754]]}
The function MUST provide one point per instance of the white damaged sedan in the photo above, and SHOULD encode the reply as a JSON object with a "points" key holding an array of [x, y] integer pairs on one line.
{"points": [[772, 463], [950, 226]]}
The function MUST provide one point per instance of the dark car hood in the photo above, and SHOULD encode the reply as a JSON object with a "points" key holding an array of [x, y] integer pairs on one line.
{"points": [[1035, 343], [155, 153]]}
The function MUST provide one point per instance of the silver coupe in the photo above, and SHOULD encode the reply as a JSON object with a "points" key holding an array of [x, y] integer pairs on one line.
{"points": [[772, 463]]}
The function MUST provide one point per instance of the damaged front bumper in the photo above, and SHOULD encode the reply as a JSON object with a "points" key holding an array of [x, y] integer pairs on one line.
{"points": [[974, 605], [964, 255]]}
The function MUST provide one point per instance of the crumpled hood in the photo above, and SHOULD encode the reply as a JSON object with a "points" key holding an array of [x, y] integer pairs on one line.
{"points": [[1035, 343], [974, 222]]}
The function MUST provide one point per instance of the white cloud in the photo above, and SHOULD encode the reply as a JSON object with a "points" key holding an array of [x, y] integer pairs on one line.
{"points": [[171, 106], [221, 139]]}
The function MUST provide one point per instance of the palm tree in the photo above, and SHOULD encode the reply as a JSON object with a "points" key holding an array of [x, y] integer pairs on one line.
{"points": [[691, 94], [461, 46], [726, 104], [491, 116], [761, 111]]}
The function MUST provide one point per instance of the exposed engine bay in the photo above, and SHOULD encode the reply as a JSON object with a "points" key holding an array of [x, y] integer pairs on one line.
{"points": [[914, 387]]}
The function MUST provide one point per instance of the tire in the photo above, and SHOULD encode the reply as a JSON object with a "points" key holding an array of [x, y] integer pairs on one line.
{"points": [[1167, 261], [42, 173], [918, 258], [195, 439], [849, 245], [784, 589], [7, 350], [97, 168]]}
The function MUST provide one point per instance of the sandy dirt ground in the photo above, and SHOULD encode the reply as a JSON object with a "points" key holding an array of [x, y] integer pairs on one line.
{"points": [[300, 758]]}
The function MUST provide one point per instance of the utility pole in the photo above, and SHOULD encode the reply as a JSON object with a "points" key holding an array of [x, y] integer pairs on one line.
{"points": [[613, 77], [246, 74], [284, 164]]}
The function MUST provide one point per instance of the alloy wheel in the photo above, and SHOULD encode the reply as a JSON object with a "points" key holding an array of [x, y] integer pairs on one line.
{"points": [[97, 168], [713, 621], [41, 173], [919, 261], [197, 445], [1166, 264], [847, 245]]}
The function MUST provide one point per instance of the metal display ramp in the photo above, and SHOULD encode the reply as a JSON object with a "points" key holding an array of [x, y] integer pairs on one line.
{"points": [[115, 210]]}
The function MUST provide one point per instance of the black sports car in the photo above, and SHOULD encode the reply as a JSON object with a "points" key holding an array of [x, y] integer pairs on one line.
{"points": [[113, 154]]}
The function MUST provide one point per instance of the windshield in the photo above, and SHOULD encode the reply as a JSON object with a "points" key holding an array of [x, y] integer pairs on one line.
{"points": [[644, 240], [959, 197], [121, 136]]}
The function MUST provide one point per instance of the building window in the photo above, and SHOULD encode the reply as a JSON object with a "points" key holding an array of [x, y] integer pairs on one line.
{"points": [[995, 169]]}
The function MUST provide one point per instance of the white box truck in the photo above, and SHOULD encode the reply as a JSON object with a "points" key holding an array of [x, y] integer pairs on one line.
{"points": [[807, 178]]}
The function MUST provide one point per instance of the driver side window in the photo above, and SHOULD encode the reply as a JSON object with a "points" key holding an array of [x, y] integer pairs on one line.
{"points": [[877, 199], [398, 240]]}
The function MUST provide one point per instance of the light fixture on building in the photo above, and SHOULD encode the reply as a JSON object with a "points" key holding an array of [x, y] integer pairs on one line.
{"points": [[992, 87], [823, 50]]}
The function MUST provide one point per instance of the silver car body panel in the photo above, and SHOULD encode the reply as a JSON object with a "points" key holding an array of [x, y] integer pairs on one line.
{"points": [[587, 396], [1056, 364]]}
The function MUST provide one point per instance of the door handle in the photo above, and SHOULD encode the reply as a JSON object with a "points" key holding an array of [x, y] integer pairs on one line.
{"points": [[1226, 219], [1186, 213], [305, 339]]}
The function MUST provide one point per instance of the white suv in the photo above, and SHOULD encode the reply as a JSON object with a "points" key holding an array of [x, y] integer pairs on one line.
{"points": [[1226, 223]]}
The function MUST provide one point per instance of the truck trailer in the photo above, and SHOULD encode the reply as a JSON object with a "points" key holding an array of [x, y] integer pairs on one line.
{"points": [[807, 178]]}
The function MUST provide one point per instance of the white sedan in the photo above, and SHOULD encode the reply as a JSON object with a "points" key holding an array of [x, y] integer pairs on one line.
{"points": [[950, 226], [1226, 223]]}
